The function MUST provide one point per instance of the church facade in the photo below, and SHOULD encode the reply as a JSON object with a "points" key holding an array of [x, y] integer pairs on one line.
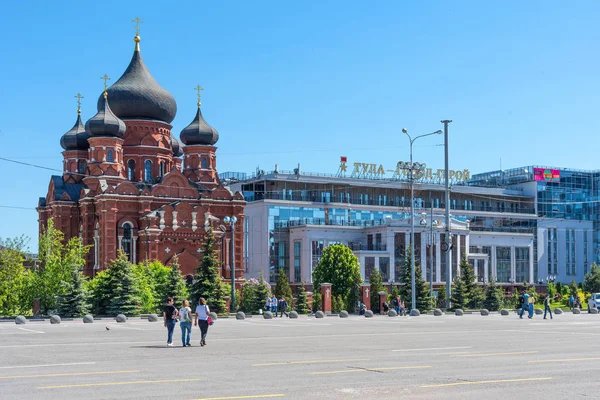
{"points": [[129, 184]]}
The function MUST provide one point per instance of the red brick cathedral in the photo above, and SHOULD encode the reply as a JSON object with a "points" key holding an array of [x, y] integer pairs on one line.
{"points": [[129, 184]]}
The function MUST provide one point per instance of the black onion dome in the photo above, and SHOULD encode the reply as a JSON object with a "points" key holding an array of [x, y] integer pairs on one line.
{"points": [[137, 94], [76, 138], [105, 123], [176, 147], [199, 132]]}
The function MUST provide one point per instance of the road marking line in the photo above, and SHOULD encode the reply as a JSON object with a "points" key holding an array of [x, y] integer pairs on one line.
{"points": [[343, 371], [70, 374], [258, 396], [566, 360], [309, 362], [48, 365], [118, 383], [30, 330], [496, 354], [437, 348], [484, 382]]}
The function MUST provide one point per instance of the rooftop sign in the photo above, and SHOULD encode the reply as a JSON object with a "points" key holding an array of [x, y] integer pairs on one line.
{"points": [[546, 175]]}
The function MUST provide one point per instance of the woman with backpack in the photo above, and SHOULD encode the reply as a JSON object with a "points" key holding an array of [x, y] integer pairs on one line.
{"points": [[201, 319], [185, 322]]}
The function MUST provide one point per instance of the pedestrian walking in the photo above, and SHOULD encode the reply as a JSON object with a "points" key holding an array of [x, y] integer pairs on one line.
{"points": [[531, 305], [268, 304], [547, 306], [170, 319], [571, 302], [397, 305], [185, 323], [201, 319], [402, 308], [274, 302], [282, 307], [525, 304]]}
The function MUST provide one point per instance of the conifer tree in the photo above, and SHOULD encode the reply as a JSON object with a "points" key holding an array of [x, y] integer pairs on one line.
{"points": [[467, 276], [459, 297], [207, 281], [441, 297], [282, 287], [477, 297], [376, 287], [302, 306], [75, 300], [124, 295], [494, 297], [175, 286], [423, 297]]}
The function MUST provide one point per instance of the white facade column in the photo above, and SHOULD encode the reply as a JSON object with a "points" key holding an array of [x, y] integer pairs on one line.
{"points": [[392, 251], [531, 263], [438, 263], [376, 264], [120, 239], [458, 255], [486, 270], [306, 260], [494, 271], [361, 260], [513, 264], [134, 248]]}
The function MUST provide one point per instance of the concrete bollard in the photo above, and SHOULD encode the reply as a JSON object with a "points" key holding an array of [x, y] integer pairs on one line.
{"points": [[458, 312], [415, 313], [368, 314], [88, 319], [558, 311], [392, 313], [538, 311], [319, 314], [152, 318], [121, 318], [576, 311], [504, 311], [55, 319], [437, 312], [20, 320], [293, 315], [343, 314], [240, 315], [484, 312], [268, 315]]}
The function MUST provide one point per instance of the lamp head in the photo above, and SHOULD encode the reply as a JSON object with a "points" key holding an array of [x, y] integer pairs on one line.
{"points": [[404, 131], [226, 220], [233, 220], [438, 132]]}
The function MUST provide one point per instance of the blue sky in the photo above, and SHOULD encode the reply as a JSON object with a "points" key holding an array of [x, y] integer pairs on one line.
{"points": [[306, 82]]}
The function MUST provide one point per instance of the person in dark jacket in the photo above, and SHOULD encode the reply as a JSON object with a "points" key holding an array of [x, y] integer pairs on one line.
{"points": [[283, 307]]}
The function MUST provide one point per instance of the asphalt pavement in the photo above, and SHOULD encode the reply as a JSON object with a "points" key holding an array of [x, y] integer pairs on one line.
{"points": [[426, 357]]}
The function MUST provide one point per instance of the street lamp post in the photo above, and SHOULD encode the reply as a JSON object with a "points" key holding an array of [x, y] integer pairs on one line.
{"points": [[231, 221], [411, 168], [447, 201]]}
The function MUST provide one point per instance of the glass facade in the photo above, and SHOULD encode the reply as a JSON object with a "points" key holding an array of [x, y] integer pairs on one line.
{"points": [[503, 264], [297, 261], [570, 251], [522, 264], [552, 251], [384, 267], [369, 267]]}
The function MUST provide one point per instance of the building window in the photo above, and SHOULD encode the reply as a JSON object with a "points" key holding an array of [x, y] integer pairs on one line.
{"points": [[503, 264], [316, 253], [204, 163], [585, 252], [96, 248], [131, 170], [147, 170], [570, 253], [384, 267], [297, 261], [522, 264], [126, 241], [161, 169], [81, 167], [109, 156], [399, 253], [369, 267]]}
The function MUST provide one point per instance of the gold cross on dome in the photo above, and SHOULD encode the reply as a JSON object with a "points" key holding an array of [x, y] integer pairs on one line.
{"points": [[198, 89], [137, 21], [106, 78], [78, 97]]}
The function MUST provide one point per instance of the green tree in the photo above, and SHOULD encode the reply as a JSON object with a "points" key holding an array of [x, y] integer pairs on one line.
{"points": [[459, 297], [494, 297], [124, 295], [317, 303], [337, 304], [282, 287], [422, 295], [441, 297], [376, 287], [56, 262], [477, 298], [340, 267], [99, 293], [302, 306], [573, 288], [591, 282], [74, 302], [207, 281], [150, 294], [175, 286], [13, 277], [467, 276], [254, 295]]}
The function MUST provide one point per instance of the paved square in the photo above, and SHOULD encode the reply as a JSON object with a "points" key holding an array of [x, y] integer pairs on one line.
{"points": [[469, 357]]}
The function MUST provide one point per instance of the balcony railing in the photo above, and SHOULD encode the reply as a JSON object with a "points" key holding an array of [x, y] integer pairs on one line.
{"points": [[367, 247]]}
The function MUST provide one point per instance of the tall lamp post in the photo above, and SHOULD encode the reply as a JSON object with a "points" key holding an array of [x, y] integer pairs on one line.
{"points": [[411, 168], [231, 221], [447, 201]]}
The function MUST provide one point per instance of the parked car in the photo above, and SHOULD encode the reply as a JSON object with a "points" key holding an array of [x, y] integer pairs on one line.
{"points": [[594, 301]]}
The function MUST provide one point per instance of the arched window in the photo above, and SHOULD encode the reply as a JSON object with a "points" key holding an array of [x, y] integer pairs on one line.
{"points": [[81, 167], [126, 241], [131, 170], [147, 170], [161, 169], [109, 156], [204, 163]]}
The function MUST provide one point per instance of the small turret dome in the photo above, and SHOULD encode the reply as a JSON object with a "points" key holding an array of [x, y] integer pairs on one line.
{"points": [[198, 132], [176, 147], [76, 138], [105, 123]]}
